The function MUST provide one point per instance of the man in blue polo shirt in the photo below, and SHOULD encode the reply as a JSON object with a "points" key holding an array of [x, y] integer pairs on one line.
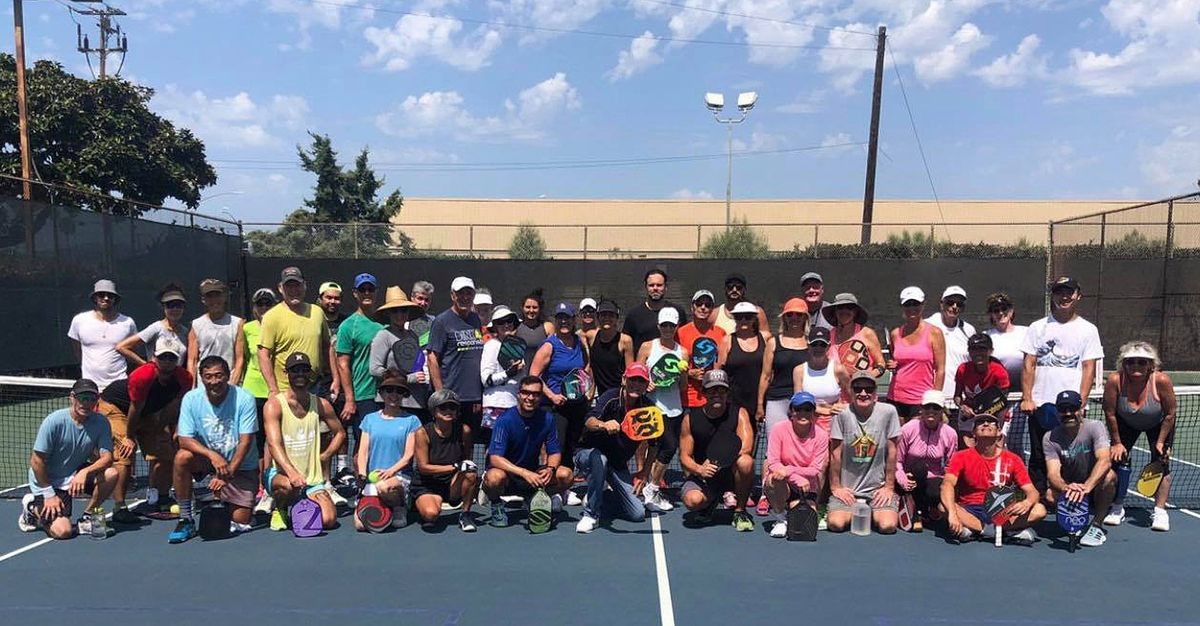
{"points": [[514, 455]]}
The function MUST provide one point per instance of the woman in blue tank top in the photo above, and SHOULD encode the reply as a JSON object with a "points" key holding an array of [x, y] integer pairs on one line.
{"points": [[561, 355]]}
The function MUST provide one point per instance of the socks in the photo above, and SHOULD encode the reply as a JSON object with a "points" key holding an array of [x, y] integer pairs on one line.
{"points": [[185, 508], [339, 463]]}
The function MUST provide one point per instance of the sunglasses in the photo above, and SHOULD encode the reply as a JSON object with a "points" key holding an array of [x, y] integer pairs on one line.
{"points": [[168, 357], [174, 304], [862, 389], [528, 394], [366, 289], [999, 309], [667, 325], [1141, 362], [299, 370], [264, 303], [958, 304], [87, 397], [745, 317], [735, 287], [393, 389], [805, 410], [106, 296]]}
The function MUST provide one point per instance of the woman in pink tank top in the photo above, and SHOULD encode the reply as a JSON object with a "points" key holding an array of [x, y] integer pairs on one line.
{"points": [[918, 356]]}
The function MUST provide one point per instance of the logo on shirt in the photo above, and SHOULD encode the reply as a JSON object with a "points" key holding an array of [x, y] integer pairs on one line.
{"points": [[1049, 354], [864, 448], [220, 435], [467, 340]]}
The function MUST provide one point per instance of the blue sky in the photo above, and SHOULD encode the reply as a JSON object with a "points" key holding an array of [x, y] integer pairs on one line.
{"points": [[1011, 98]]}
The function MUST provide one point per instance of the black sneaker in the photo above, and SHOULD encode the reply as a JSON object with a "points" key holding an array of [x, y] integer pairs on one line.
{"points": [[125, 516]]}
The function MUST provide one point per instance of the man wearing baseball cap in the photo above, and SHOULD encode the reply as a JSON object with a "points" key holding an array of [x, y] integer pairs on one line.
{"points": [[735, 294], [604, 452], [862, 458], [455, 351], [955, 332], [812, 289], [95, 334], [142, 411], [706, 481], [72, 456], [1062, 352], [353, 348], [329, 379], [1078, 463], [289, 327], [702, 325], [217, 332], [797, 461]]}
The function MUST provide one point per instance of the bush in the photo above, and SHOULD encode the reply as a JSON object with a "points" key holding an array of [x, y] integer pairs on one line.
{"points": [[918, 245], [527, 244], [739, 241]]}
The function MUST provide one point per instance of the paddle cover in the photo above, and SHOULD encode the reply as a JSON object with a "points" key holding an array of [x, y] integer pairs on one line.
{"points": [[512, 349], [306, 518], [801, 523], [407, 352], [724, 448], [539, 512], [1072, 518], [704, 353], [990, 401], [214, 522], [908, 511], [644, 423], [577, 385], [1150, 478]]}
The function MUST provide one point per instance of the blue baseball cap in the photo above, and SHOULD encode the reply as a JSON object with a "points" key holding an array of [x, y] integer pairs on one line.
{"points": [[1068, 400], [564, 308], [801, 398], [365, 278]]}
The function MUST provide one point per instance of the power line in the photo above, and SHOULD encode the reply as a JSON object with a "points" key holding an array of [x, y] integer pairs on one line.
{"points": [[499, 166], [924, 161], [574, 31], [758, 18]]}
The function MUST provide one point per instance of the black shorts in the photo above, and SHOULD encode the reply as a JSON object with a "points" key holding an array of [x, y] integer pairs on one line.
{"points": [[434, 486], [712, 488], [35, 507], [1129, 437], [260, 437]]}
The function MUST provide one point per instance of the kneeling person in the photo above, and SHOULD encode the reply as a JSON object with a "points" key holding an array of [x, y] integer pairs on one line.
{"points": [[604, 452], [72, 455], [514, 453], [707, 481], [445, 471], [218, 423], [862, 458], [292, 419], [797, 461], [1078, 463], [973, 471], [385, 453]]}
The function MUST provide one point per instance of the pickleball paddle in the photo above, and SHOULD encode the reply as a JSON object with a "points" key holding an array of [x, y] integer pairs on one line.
{"points": [[306, 518], [665, 371], [644, 423], [512, 349], [704, 353], [724, 448], [1072, 518], [539, 512], [1152, 476]]}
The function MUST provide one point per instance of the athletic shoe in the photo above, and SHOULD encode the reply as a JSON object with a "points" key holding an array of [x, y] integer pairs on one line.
{"points": [[966, 534], [345, 478], [265, 505], [499, 517], [822, 511], [277, 521], [84, 524], [338, 500], [729, 501], [918, 526], [27, 521], [124, 516], [556, 503], [763, 508], [1159, 520], [573, 498], [184, 530], [1093, 537], [1025, 537], [779, 530], [481, 498], [654, 499], [742, 522], [466, 523], [399, 516], [1116, 515], [237, 529], [586, 524]]}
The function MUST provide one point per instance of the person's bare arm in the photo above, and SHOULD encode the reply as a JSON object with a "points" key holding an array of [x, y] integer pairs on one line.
{"points": [[1087, 380], [363, 455], [337, 432], [1166, 396], [239, 356], [348, 407], [625, 344], [1099, 469], [541, 361], [764, 379], [1027, 376], [129, 349], [435, 370], [193, 351], [874, 349], [1109, 404], [687, 446], [937, 343], [723, 349], [266, 365]]}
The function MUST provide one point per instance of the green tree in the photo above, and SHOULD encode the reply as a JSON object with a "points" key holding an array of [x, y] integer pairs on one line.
{"points": [[739, 241], [343, 218], [98, 135], [527, 244]]}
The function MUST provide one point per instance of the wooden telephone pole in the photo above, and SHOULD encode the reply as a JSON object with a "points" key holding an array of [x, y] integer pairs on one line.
{"points": [[108, 28], [873, 141], [22, 110]]}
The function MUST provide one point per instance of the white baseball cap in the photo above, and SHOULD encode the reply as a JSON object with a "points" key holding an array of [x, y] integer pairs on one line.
{"points": [[744, 307], [482, 298], [954, 290], [668, 315], [168, 345], [912, 293], [933, 396], [587, 302], [460, 283]]}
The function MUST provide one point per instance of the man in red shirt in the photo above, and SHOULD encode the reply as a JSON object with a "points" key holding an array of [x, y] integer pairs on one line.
{"points": [[973, 471], [979, 373], [142, 411]]}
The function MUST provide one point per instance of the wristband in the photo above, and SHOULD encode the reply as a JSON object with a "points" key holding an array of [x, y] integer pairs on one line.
{"points": [[467, 466]]}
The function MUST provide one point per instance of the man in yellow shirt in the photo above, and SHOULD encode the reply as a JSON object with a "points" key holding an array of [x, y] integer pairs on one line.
{"points": [[291, 326]]}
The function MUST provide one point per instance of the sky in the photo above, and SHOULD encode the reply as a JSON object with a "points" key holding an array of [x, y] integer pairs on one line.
{"points": [[1007, 99]]}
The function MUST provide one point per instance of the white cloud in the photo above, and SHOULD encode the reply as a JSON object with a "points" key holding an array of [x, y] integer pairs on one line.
{"points": [[443, 112], [836, 144], [688, 194], [805, 104], [1162, 49], [1013, 70], [236, 121], [639, 57], [414, 37], [307, 16], [1060, 157], [550, 14], [953, 58], [760, 141], [1173, 165]]}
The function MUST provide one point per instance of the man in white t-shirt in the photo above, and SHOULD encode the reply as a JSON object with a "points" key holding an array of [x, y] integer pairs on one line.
{"points": [[95, 334], [955, 330], [1062, 352]]}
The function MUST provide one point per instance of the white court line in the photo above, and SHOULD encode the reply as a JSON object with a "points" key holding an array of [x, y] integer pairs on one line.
{"points": [[1173, 459], [42, 542], [665, 607]]}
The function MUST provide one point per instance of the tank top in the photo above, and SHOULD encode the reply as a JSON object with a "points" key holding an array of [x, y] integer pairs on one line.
{"points": [[724, 320], [914, 368], [783, 364], [444, 450], [853, 352], [562, 361], [703, 429], [822, 384], [216, 337], [533, 338], [745, 370], [667, 399], [254, 381], [301, 439], [607, 362], [1146, 416]]}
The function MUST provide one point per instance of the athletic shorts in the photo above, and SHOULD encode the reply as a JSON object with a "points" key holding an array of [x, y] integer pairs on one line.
{"points": [[273, 471], [835, 504], [240, 489], [434, 486], [712, 488], [156, 441], [1129, 437], [798, 484], [979, 513]]}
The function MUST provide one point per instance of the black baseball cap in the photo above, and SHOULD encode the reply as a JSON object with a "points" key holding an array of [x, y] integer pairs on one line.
{"points": [[296, 358], [979, 340], [1064, 282], [84, 385], [735, 277], [608, 306], [291, 274], [818, 334], [1068, 401]]}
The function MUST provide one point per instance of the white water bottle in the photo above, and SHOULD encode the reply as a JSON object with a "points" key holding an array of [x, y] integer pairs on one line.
{"points": [[860, 522]]}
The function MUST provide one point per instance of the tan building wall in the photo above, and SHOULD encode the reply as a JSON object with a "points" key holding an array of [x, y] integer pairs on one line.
{"points": [[677, 227]]}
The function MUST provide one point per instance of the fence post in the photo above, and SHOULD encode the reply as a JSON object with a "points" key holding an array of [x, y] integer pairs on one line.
{"points": [[1050, 270], [471, 240], [354, 233], [585, 242], [816, 239], [931, 240], [697, 255], [1100, 269]]}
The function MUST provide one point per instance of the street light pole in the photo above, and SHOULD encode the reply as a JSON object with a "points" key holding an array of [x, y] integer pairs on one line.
{"points": [[715, 103], [729, 179]]}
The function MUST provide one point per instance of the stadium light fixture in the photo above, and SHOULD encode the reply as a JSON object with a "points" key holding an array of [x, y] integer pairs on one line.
{"points": [[716, 103]]}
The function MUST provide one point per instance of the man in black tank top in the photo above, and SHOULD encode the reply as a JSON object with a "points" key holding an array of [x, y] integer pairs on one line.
{"points": [[707, 481]]}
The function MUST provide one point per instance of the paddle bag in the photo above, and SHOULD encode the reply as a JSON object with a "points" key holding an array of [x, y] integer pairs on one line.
{"points": [[306, 518], [214, 522], [801, 523]]}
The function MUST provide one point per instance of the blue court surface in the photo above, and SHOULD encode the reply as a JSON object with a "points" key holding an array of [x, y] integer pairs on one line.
{"points": [[616, 575]]}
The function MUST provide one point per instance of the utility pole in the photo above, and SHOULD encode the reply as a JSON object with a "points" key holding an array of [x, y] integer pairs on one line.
{"points": [[22, 109], [873, 141], [108, 28]]}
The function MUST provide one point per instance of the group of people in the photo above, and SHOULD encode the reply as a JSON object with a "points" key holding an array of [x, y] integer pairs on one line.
{"points": [[303, 399]]}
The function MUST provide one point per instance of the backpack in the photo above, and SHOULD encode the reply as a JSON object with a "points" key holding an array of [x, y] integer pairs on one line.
{"points": [[801, 523]]}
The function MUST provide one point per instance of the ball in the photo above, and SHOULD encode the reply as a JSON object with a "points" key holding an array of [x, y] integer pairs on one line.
{"points": [[373, 476], [174, 509]]}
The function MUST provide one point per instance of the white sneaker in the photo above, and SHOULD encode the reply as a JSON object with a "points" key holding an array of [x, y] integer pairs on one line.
{"points": [[556, 503], [586, 524], [1024, 538], [338, 500], [481, 498], [573, 499], [1116, 515], [1159, 520], [265, 505], [26, 522], [1093, 537], [966, 534], [654, 499], [779, 530]]}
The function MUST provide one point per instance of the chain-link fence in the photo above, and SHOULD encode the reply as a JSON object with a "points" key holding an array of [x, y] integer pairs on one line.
{"points": [[51, 254], [1140, 271]]}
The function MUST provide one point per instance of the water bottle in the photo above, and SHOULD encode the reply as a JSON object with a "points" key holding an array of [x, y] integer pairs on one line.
{"points": [[151, 496], [860, 523], [99, 527]]}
